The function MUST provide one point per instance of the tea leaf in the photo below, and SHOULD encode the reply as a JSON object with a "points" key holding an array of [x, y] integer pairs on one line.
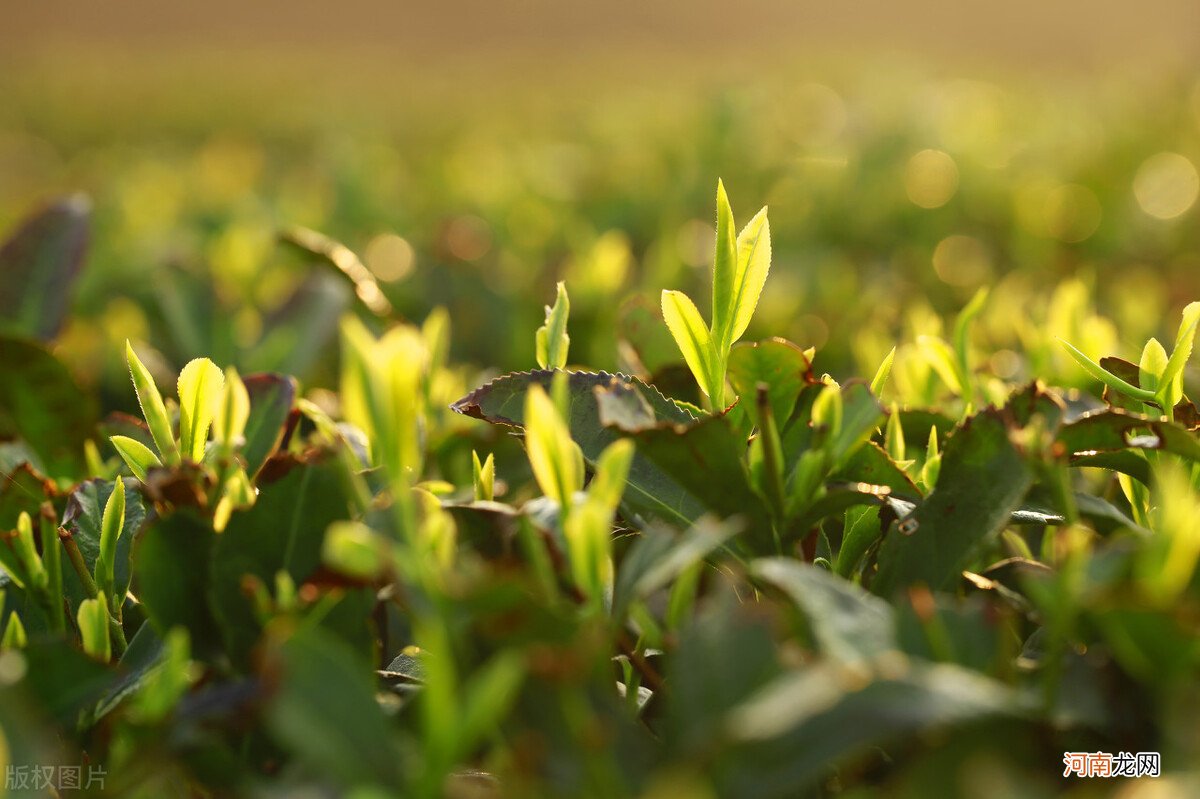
{"points": [[557, 461], [849, 624], [944, 361], [553, 343], [38, 264], [1152, 365], [883, 373], [41, 404], [14, 633], [489, 695], [1106, 377], [355, 550], [692, 337], [725, 275], [93, 628], [153, 409], [325, 711], [484, 477], [753, 264], [871, 464], [84, 519], [232, 411], [172, 595], [271, 398], [201, 386], [983, 478], [778, 363], [794, 728], [112, 521], [659, 557], [1170, 381], [1113, 431], [861, 416], [283, 532], [137, 456], [650, 490]]}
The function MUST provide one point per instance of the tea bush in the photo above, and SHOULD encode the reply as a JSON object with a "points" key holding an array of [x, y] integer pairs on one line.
{"points": [[567, 582]]}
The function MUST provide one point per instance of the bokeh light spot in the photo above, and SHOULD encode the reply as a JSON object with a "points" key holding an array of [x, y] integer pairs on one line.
{"points": [[931, 178], [1166, 185], [468, 237], [390, 257], [1072, 212], [962, 261]]}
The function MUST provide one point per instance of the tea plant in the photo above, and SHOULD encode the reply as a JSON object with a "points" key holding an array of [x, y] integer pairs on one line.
{"points": [[568, 583]]}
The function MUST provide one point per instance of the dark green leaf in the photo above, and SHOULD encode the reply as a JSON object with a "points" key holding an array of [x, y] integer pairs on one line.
{"points": [[38, 264], [704, 459], [777, 362], [171, 570], [284, 530], [41, 404], [144, 653], [982, 481], [1115, 430], [810, 720], [23, 489], [659, 557], [271, 398], [325, 711], [849, 624], [871, 464], [63, 679], [85, 508], [651, 490]]}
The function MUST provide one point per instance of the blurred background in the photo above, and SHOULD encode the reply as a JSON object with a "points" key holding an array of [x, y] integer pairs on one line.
{"points": [[472, 154]]}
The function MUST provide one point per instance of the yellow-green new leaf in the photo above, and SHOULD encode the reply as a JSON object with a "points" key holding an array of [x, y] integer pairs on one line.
{"points": [[406, 359], [27, 556], [612, 468], [153, 409], [1152, 365], [137, 456], [1108, 378], [894, 435], [493, 689], [111, 524], [162, 687], [753, 264], [693, 339], [93, 627], [355, 550], [553, 343], [229, 425], [556, 459], [14, 634], [201, 384], [484, 477], [1170, 385], [435, 332], [725, 268], [882, 373], [942, 358]]}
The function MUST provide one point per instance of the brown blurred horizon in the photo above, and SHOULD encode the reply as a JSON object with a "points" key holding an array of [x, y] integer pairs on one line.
{"points": [[1065, 35]]}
